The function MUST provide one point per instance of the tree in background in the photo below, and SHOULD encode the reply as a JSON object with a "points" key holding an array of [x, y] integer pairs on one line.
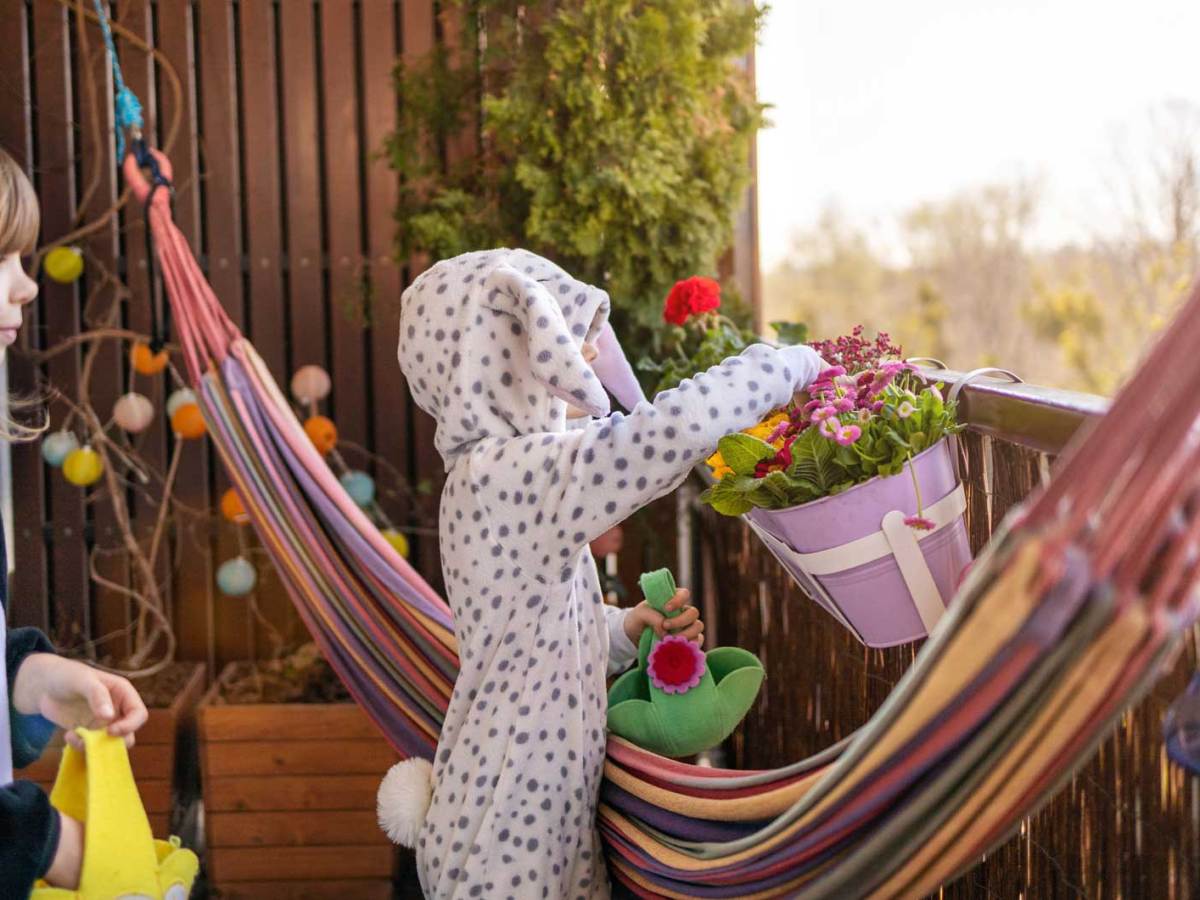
{"points": [[614, 138], [967, 283]]}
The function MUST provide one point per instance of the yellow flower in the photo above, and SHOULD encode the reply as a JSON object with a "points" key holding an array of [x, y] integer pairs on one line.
{"points": [[765, 428], [717, 463], [762, 431]]}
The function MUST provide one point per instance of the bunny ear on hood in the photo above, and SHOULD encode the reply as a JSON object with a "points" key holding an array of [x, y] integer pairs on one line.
{"points": [[553, 348]]}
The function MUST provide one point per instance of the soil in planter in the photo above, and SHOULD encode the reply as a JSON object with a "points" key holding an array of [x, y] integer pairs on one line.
{"points": [[160, 690], [300, 677]]}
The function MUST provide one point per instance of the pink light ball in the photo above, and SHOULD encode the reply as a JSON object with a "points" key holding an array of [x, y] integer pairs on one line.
{"points": [[133, 412], [311, 384]]}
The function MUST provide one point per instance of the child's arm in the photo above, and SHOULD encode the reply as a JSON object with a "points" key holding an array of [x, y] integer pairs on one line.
{"points": [[547, 496], [29, 826], [29, 837], [29, 732], [622, 651]]}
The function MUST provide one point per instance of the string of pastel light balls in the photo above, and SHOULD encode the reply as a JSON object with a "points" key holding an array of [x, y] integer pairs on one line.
{"points": [[133, 413], [310, 386]]}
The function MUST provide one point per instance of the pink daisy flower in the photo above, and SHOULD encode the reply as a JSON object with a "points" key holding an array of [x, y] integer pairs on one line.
{"points": [[920, 523], [848, 434]]}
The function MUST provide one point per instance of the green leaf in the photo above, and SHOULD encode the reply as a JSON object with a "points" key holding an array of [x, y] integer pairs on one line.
{"points": [[813, 461], [777, 486], [791, 333], [742, 452], [727, 499]]}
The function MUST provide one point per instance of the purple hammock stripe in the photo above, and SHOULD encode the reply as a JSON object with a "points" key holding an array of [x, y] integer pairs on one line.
{"points": [[391, 718]]}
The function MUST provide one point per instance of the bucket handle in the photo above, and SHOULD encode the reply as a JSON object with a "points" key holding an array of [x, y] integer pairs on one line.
{"points": [[959, 387]]}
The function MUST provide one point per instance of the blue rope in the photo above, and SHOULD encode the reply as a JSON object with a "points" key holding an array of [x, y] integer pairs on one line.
{"points": [[128, 109]]}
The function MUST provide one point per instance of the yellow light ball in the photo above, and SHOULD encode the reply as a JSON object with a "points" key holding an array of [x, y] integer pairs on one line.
{"points": [[398, 541], [311, 384], [64, 264], [83, 467], [133, 412]]}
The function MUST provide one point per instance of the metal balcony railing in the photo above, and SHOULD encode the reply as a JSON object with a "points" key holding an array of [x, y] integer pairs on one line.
{"points": [[1125, 826]]}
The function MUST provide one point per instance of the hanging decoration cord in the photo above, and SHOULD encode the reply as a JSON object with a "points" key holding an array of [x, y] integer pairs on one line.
{"points": [[128, 110], [129, 121]]}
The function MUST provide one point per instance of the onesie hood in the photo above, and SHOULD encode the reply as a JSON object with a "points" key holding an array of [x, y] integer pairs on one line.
{"points": [[490, 343]]}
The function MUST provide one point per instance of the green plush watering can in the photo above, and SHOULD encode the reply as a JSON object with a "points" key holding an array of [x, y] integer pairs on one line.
{"points": [[680, 701]]}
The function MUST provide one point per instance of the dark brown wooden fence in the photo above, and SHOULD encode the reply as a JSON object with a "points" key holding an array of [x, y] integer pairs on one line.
{"points": [[273, 115]]}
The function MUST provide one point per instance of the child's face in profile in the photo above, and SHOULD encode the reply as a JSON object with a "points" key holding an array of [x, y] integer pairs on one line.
{"points": [[16, 290], [589, 353]]}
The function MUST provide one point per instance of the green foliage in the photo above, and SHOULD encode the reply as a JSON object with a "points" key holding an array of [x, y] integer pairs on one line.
{"points": [[908, 423], [705, 341], [791, 333], [683, 351], [613, 137]]}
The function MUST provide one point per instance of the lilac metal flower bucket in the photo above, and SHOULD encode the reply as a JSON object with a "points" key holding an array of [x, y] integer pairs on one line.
{"points": [[853, 554]]}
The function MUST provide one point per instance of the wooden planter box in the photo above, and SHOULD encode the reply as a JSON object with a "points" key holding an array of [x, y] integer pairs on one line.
{"points": [[289, 801], [153, 757]]}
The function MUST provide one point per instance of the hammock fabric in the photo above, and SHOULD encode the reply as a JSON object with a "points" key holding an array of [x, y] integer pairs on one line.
{"points": [[1063, 623]]}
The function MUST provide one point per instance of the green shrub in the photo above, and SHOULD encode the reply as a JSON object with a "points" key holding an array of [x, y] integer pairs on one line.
{"points": [[613, 137]]}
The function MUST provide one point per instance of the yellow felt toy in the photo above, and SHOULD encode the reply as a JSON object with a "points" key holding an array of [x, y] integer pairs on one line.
{"points": [[121, 858]]}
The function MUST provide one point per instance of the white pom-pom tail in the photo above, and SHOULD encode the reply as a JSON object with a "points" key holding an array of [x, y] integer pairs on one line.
{"points": [[403, 800]]}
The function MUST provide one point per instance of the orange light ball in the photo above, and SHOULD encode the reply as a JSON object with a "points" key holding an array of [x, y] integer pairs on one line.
{"points": [[322, 432], [232, 508], [146, 362], [188, 422]]}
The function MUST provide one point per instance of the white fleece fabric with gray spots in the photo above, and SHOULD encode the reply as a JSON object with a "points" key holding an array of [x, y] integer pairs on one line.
{"points": [[490, 344]]}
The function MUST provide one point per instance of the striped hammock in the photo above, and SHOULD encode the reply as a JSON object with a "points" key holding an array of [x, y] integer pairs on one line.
{"points": [[1063, 623]]}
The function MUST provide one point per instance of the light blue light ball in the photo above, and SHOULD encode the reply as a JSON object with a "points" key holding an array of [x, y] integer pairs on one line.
{"points": [[179, 398], [360, 486], [237, 577], [58, 446]]}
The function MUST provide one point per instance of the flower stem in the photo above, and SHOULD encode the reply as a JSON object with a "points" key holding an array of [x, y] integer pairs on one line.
{"points": [[916, 487]]}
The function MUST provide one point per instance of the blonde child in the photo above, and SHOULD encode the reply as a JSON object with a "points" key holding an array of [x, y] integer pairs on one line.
{"points": [[41, 689]]}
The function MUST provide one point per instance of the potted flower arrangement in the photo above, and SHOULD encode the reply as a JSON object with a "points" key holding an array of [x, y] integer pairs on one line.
{"points": [[855, 490]]}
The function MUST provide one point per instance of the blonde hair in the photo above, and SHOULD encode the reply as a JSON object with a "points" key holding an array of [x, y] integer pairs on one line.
{"points": [[20, 221]]}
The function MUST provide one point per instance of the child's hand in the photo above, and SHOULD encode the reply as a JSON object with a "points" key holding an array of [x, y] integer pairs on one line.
{"points": [[687, 624], [71, 694], [68, 858]]}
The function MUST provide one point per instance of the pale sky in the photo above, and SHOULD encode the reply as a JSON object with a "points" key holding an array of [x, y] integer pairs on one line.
{"points": [[880, 105]]}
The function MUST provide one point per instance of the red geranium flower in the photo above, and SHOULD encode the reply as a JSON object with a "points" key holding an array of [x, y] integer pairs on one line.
{"points": [[675, 665], [691, 297]]}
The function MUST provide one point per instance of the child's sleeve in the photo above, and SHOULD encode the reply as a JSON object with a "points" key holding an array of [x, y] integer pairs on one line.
{"points": [[547, 496], [30, 734], [622, 652], [29, 828]]}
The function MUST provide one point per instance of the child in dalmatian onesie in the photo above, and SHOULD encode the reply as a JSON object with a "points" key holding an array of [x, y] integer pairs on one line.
{"points": [[491, 344]]}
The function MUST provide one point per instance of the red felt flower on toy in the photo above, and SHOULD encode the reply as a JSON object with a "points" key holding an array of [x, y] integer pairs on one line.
{"points": [[675, 665], [691, 297]]}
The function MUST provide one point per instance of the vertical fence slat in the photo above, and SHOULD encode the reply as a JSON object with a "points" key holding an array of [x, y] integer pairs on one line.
{"points": [[298, 65], [29, 595], [388, 424], [193, 583], [418, 32], [264, 228], [102, 310], [138, 69], [223, 219], [343, 227], [56, 188]]}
